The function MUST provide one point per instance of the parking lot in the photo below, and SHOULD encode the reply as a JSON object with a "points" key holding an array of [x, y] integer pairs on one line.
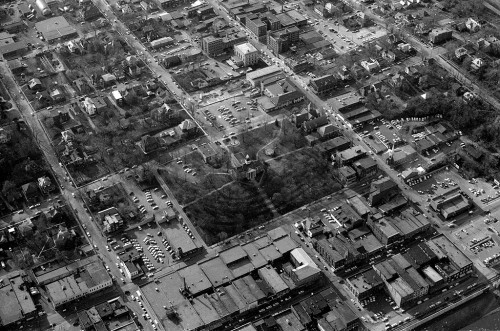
{"points": [[236, 112], [477, 189]]}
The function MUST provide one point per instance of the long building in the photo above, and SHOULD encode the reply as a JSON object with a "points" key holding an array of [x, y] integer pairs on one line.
{"points": [[16, 304], [89, 279], [236, 280]]}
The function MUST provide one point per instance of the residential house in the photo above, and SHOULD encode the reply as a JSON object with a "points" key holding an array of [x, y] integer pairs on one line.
{"points": [[344, 73], [35, 84], [477, 63], [45, 185], [461, 53], [149, 143], [93, 105], [388, 55], [30, 192], [82, 85], [313, 124], [57, 95], [5, 136], [371, 66], [472, 25], [188, 128]]}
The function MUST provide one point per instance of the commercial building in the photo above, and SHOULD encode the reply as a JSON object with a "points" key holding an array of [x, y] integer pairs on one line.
{"points": [[439, 35], [423, 268], [13, 50], [236, 280], [382, 190], [280, 94], [16, 305], [214, 46], [247, 53], [329, 148], [365, 285], [450, 203], [45, 274], [351, 155], [257, 76], [323, 85], [56, 29], [280, 41], [92, 278]]}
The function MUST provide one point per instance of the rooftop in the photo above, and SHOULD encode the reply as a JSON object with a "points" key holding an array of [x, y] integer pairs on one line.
{"points": [[345, 100], [216, 271], [450, 250], [366, 280], [261, 73], [196, 281], [245, 48], [272, 278]]}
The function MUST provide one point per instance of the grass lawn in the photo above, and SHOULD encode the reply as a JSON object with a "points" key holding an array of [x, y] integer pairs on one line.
{"points": [[297, 179], [229, 211]]}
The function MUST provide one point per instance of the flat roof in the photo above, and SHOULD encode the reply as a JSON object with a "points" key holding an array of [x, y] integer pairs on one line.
{"points": [[261, 73], [49, 274], [178, 237], [285, 245], [248, 289], [254, 255], [195, 278], [345, 100], [205, 310], [366, 281], [453, 253], [432, 274], [402, 287], [237, 298], [289, 322], [270, 253], [272, 278], [233, 254], [13, 47], [168, 292], [222, 302], [277, 233], [216, 271], [245, 48], [10, 309]]}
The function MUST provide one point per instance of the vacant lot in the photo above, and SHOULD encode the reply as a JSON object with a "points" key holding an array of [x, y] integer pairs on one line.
{"points": [[228, 211], [297, 179]]}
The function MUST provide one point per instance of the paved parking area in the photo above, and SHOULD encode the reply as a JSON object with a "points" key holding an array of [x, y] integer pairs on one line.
{"points": [[233, 113]]}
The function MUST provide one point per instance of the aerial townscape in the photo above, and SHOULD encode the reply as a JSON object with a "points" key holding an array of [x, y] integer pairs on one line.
{"points": [[249, 165]]}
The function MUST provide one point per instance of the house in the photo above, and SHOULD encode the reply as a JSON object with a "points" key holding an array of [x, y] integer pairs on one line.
{"points": [[108, 79], [82, 85], [388, 55], [472, 25], [57, 95], [74, 47], [244, 167], [5, 136], [45, 185], [371, 66], [461, 53], [90, 12], [43, 97], [404, 47], [35, 84], [188, 128], [30, 192], [315, 123], [149, 144], [344, 73], [93, 105], [477, 63]]}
